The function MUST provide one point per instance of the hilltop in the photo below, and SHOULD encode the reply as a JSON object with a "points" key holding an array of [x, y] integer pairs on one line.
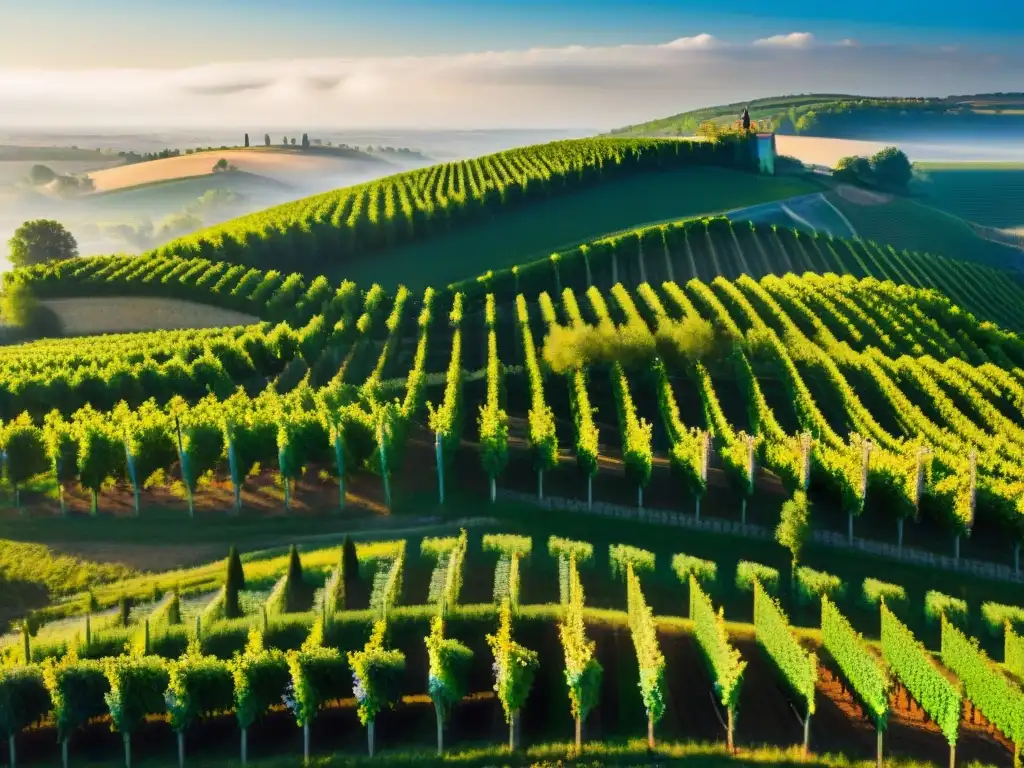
{"points": [[442, 223], [855, 117]]}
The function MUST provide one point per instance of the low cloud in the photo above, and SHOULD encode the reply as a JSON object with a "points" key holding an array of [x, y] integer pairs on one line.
{"points": [[570, 87], [792, 40]]}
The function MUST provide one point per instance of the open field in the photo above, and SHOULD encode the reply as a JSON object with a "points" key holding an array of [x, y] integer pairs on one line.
{"points": [[286, 165], [914, 225], [990, 194], [114, 314]]}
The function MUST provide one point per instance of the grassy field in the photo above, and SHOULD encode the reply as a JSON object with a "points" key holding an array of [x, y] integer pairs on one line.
{"points": [[990, 194], [535, 231], [915, 226]]}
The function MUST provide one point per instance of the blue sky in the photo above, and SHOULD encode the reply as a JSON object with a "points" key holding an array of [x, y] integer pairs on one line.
{"points": [[584, 64], [155, 33]]}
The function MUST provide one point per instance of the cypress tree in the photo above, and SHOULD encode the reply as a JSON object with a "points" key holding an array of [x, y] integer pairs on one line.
{"points": [[235, 571], [266, 139], [305, 141], [124, 611], [234, 582], [174, 609], [247, 139], [294, 582], [348, 570], [349, 563]]}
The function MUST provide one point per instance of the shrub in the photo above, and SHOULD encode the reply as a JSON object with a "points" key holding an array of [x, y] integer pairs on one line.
{"points": [[997, 616], [938, 605], [876, 592], [748, 572], [622, 555], [813, 585]]}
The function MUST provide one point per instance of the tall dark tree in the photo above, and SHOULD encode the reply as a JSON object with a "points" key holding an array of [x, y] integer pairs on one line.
{"points": [[266, 139], [349, 563], [234, 582], [39, 241], [124, 611], [247, 139], [284, 141], [305, 141], [295, 583]]}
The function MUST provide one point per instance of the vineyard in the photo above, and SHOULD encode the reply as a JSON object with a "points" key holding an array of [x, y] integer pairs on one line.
{"points": [[875, 396], [367, 645], [323, 232], [700, 248], [728, 376]]}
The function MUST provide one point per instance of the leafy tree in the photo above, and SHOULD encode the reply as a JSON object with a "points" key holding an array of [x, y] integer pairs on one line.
{"points": [[40, 241], [247, 140], [376, 673], [319, 674], [855, 170], [514, 668], [892, 168], [260, 676], [305, 141], [24, 700], [137, 685], [25, 446], [266, 139], [220, 165], [41, 174], [794, 525], [284, 140], [198, 686], [806, 121], [449, 674]]}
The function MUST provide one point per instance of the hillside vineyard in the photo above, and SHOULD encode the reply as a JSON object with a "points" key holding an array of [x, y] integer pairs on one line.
{"points": [[871, 392], [315, 638], [328, 229], [698, 248]]}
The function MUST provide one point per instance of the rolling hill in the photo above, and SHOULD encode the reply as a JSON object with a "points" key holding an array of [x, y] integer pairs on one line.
{"points": [[695, 374], [289, 165], [473, 215], [858, 117]]}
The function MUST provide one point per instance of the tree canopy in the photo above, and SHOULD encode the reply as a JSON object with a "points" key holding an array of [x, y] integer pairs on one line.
{"points": [[39, 241]]}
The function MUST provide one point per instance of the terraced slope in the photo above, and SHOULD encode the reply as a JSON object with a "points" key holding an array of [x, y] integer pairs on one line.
{"points": [[704, 249], [327, 233], [845, 360]]}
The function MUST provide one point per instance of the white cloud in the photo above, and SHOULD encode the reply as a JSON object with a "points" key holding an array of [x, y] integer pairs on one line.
{"points": [[570, 87], [697, 41], [792, 40]]}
